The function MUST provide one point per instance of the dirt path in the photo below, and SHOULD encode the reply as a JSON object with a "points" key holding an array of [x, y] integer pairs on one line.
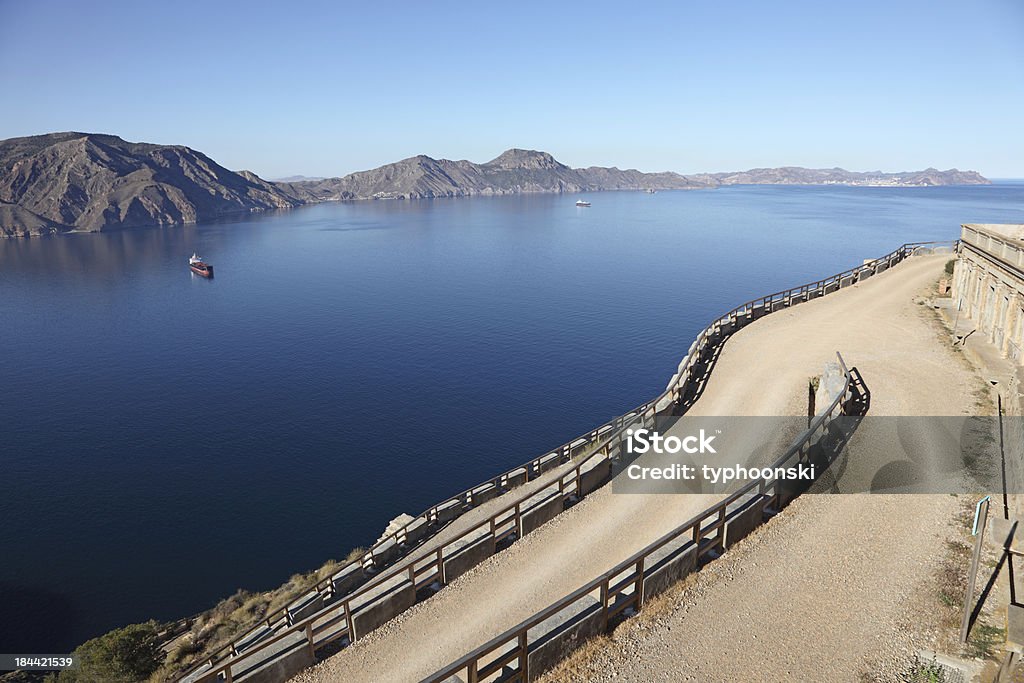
{"points": [[762, 371], [836, 588]]}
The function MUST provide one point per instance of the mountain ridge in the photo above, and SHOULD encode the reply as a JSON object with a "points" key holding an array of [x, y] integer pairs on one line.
{"points": [[67, 182], [87, 182]]}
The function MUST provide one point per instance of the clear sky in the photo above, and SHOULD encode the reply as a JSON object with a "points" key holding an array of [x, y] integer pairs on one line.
{"points": [[325, 88]]}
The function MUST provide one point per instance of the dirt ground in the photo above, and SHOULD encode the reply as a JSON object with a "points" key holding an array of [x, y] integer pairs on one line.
{"points": [[829, 590]]}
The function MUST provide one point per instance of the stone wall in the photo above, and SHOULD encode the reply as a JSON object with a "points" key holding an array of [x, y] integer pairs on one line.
{"points": [[988, 287]]}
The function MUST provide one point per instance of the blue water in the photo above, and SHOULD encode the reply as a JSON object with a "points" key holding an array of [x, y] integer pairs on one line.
{"points": [[165, 439]]}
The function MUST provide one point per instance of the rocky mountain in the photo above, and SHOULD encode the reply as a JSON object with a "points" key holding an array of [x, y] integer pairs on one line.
{"points": [[65, 182], [81, 181], [514, 171], [519, 170], [795, 175]]}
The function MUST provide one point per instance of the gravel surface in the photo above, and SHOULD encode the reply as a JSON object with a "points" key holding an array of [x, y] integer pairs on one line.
{"points": [[834, 586]]}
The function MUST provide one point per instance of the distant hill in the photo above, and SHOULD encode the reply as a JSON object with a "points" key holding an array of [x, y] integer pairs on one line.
{"points": [[513, 172], [82, 181], [296, 178], [63, 182], [519, 170], [795, 175]]}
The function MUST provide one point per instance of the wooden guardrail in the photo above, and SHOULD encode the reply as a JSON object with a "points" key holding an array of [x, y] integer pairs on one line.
{"points": [[505, 525], [622, 587], [320, 629]]}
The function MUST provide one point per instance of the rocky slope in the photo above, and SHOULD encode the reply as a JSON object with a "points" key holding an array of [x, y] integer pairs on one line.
{"points": [[519, 170], [89, 182], [80, 181], [515, 171]]}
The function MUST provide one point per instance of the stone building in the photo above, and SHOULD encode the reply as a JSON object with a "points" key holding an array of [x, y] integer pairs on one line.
{"points": [[988, 284]]}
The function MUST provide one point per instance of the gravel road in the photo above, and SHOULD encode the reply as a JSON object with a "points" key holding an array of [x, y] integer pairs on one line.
{"points": [[836, 589], [831, 588]]}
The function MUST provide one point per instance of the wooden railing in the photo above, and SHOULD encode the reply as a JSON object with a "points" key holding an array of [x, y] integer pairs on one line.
{"points": [[622, 587], [505, 525], [323, 628]]}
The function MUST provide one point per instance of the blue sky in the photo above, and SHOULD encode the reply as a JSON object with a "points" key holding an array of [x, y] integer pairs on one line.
{"points": [[328, 88]]}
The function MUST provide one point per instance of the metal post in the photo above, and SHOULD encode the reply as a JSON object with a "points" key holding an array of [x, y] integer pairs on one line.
{"points": [[980, 521], [524, 657], [1009, 571], [1002, 457], [810, 403]]}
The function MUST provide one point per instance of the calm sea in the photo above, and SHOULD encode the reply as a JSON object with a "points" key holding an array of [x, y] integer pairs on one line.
{"points": [[165, 439]]}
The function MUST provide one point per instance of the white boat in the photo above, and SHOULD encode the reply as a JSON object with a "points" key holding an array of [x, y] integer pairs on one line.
{"points": [[580, 202]]}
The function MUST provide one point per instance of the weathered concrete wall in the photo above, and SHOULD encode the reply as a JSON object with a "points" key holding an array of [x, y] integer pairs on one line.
{"points": [[747, 516], [348, 579], [261, 632], [446, 512], [594, 473], [548, 462], [516, 477], [669, 564], [484, 493], [377, 606], [540, 508], [461, 556], [386, 552], [416, 530], [279, 662], [306, 606], [553, 639]]}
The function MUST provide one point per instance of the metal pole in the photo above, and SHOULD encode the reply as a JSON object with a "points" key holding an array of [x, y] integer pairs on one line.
{"points": [[810, 403], [980, 520], [1002, 457], [956, 320]]}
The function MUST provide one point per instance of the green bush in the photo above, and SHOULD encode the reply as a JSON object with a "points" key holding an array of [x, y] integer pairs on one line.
{"points": [[949, 266], [924, 671], [125, 655]]}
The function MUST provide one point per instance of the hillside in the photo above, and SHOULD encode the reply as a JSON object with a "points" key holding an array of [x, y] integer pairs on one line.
{"points": [[514, 171], [80, 181], [519, 170], [63, 182]]}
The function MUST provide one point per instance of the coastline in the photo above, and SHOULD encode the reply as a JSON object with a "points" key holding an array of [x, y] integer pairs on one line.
{"points": [[473, 195]]}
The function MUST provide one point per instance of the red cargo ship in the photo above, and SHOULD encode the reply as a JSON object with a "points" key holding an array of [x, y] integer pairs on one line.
{"points": [[198, 267]]}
